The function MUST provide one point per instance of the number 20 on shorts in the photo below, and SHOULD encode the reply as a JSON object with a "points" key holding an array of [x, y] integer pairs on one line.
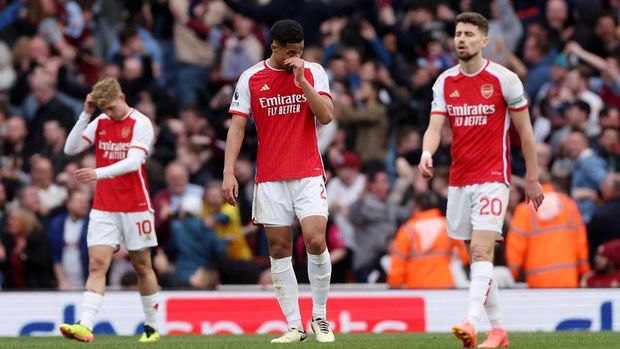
{"points": [[490, 206], [145, 227]]}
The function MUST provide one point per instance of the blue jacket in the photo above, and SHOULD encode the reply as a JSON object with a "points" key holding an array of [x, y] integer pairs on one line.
{"points": [[56, 235], [196, 245], [588, 173]]}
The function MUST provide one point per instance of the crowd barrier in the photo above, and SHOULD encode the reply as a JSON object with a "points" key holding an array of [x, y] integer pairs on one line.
{"points": [[238, 312]]}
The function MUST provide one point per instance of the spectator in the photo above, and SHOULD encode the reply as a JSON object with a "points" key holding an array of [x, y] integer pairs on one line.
{"points": [[588, 173], [576, 81], [226, 221], [605, 223], [43, 87], [504, 24], [4, 209], [16, 150], [422, 251], [309, 13], [538, 57], [67, 234], [369, 121], [51, 194], [575, 118], [28, 198], [168, 200], [343, 190], [559, 21], [55, 137], [374, 220], [550, 245], [242, 50], [131, 46], [606, 271], [608, 147], [198, 247], [7, 72], [195, 57], [27, 261]]}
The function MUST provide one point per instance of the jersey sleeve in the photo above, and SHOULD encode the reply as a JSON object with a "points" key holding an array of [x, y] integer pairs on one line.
{"points": [[143, 135], [512, 89], [240, 104], [91, 129], [321, 81], [438, 106]]}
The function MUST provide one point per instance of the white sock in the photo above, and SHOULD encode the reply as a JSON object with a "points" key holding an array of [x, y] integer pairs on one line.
{"points": [[481, 277], [91, 302], [319, 273], [150, 305], [285, 285], [492, 306]]}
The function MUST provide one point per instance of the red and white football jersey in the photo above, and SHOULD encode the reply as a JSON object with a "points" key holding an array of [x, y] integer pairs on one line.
{"points": [[477, 106], [288, 146], [112, 139]]}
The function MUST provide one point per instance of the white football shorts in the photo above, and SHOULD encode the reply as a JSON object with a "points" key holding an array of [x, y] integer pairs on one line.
{"points": [[136, 229], [277, 203], [476, 207]]}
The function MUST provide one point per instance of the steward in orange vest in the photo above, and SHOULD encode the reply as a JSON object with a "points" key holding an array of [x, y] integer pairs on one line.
{"points": [[422, 250], [550, 245]]}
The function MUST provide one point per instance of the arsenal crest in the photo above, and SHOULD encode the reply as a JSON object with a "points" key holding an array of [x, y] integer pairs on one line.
{"points": [[125, 132], [486, 90]]}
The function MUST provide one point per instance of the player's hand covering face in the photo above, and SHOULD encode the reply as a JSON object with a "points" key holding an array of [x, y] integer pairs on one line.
{"points": [[468, 41], [282, 53], [297, 64]]}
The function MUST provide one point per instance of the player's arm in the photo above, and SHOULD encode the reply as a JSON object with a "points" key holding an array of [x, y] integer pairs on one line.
{"points": [[82, 134], [321, 105], [514, 96], [133, 161], [533, 191], [430, 143], [432, 136], [234, 140], [139, 146]]}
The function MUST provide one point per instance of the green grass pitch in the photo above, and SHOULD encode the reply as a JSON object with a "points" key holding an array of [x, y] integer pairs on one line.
{"points": [[559, 340]]}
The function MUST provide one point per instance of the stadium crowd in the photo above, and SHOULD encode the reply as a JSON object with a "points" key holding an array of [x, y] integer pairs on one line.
{"points": [[178, 62]]}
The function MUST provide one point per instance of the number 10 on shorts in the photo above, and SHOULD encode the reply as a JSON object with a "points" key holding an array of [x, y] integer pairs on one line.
{"points": [[145, 227]]}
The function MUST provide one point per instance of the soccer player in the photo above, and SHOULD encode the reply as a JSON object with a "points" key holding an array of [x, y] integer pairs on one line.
{"points": [[478, 96], [284, 94], [122, 209]]}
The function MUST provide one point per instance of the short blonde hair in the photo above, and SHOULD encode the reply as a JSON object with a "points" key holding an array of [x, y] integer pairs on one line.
{"points": [[27, 219], [106, 91]]}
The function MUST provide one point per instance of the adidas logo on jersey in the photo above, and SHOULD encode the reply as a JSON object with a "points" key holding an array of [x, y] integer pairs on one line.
{"points": [[455, 94], [264, 88]]}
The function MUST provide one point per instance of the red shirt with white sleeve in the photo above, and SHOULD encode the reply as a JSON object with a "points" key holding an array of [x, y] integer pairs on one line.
{"points": [[112, 139], [288, 146], [477, 107]]}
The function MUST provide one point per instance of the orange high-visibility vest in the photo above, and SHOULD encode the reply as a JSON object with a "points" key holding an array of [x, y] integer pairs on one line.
{"points": [[421, 253], [550, 245]]}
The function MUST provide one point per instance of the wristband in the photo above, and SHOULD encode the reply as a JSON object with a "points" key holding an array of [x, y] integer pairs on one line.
{"points": [[426, 154]]}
